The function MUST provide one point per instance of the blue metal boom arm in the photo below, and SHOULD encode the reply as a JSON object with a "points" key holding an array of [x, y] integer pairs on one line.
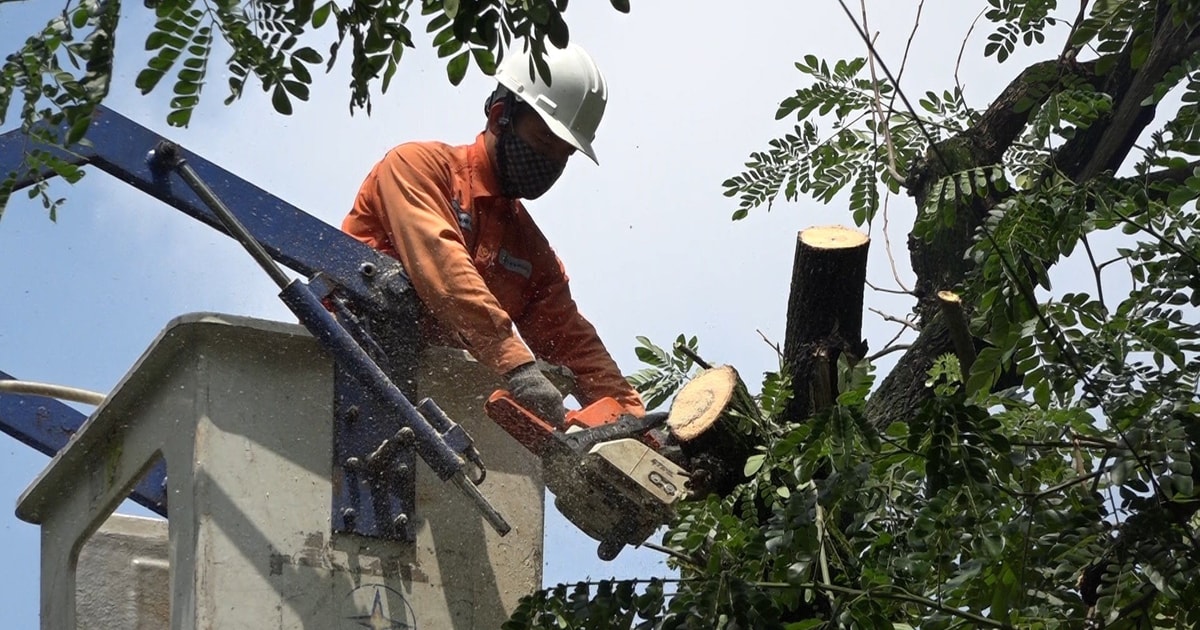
{"points": [[119, 146]]}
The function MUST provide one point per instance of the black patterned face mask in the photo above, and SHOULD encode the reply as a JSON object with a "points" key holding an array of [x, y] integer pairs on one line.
{"points": [[524, 173]]}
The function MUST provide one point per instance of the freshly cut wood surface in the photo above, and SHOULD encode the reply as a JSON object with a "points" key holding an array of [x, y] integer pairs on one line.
{"points": [[833, 237], [700, 403]]}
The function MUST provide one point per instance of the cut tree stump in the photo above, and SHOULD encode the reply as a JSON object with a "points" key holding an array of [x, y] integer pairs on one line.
{"points": [[824, 316], [702, 424], [960, 332]]}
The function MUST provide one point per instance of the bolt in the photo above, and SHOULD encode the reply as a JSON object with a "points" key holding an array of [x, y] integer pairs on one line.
{"points": [[349, 515], [400, 522], [367, 270], [352, 413], [404, 435], [352, 463], [163, 157], [402, 470]]}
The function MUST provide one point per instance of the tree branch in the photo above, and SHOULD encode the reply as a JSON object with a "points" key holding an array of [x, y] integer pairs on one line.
{"points": [[893, 318], [960, 333], [1000, 124], [1104, 145], [1175, 175], [1069, 52], [888, 350]]}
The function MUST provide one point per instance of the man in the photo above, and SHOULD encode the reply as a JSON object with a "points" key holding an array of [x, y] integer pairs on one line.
{"points": [[479, 264]]}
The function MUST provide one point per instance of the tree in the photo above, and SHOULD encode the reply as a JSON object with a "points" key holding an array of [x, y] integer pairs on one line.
{"points": [[1042, 474], [63, 72]]}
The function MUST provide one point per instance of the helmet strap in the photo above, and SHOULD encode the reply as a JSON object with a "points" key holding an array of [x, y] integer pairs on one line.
{"points": [[509, 100]]}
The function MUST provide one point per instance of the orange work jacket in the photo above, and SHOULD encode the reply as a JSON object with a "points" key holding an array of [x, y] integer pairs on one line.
{"points": [[480, 264]]}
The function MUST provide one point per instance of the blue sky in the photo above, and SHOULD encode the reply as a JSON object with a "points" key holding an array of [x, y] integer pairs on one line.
{"points": [[646, 236]]}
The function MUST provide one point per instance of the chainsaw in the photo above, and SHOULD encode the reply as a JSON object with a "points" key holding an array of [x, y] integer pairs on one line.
{"points": [[606, 468]]}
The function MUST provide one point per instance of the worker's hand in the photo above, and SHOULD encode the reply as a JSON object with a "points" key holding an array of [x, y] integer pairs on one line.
{"points": [[536, 393]]}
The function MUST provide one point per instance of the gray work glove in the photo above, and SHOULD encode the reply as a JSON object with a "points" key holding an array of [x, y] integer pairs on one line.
{"points": [[533, 391]]}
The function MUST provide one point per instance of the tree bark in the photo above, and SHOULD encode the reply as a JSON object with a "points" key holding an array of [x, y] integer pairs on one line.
{"points": [[903, 390], [824, 316]]}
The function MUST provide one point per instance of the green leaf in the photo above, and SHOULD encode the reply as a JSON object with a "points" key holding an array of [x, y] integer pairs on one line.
{"points": [[78, 129], [179, 117], [79, 18], [449, 48], [444, 37], [147, 79], [321, 14], [557, 31], [754, 463], [439, 22], [280, 100], [308, 55], [297, 89], [301, 72], [485, 60], [456, 69]]}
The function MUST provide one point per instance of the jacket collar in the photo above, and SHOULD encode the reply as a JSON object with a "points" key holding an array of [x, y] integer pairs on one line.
{"points": [[481, 177], [480, 171]]}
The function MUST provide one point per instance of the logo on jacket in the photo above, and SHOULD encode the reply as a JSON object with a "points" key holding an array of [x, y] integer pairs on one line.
{"points": [[515, 265], [464, 217]]}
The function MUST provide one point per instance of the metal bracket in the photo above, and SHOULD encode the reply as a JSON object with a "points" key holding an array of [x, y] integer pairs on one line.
{"points": [[374, 466]]}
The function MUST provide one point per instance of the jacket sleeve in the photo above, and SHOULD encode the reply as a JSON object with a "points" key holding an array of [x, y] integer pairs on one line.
{"points": [[557, 332], [412, 192]]}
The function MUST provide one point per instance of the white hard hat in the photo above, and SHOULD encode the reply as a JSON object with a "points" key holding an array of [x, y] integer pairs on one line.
{"points": [[572, 104]]}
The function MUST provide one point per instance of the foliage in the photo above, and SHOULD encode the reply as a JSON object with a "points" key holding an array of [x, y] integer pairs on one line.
{"points": [[1049, 484], [63, 72], [1052, 482], [667, 372]]}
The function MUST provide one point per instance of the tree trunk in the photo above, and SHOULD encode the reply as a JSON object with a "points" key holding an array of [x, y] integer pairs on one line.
{"points": [[900, 395], [824, 316]]}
